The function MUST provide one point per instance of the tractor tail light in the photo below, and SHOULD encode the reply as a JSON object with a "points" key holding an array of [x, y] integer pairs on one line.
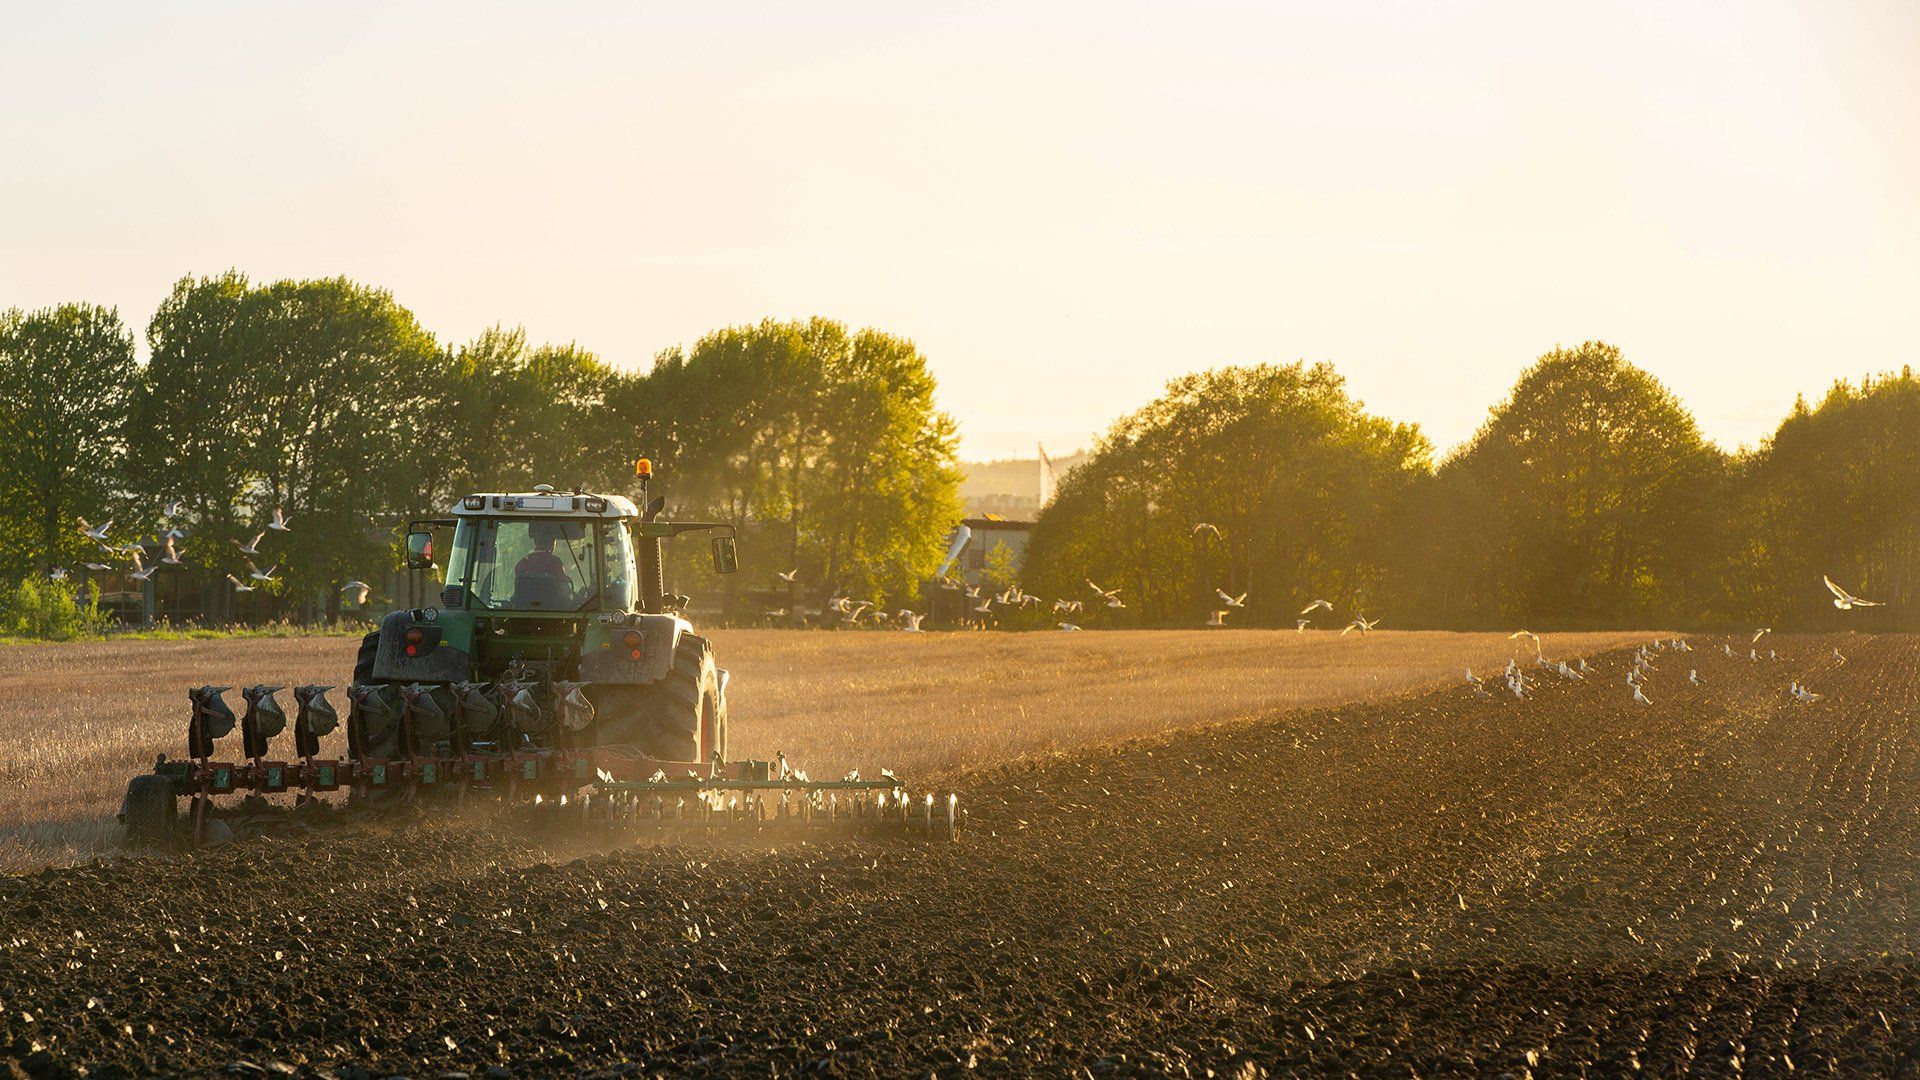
{"points": [[632, 640], [414, 637]]}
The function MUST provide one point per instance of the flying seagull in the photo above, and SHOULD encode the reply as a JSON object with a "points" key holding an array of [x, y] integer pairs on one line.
{"points": [[1316, 606], [95, 533], [357, 591], [1218, 618], [1845, 600], [239, 586], [1300, 625], [791, 577], [170, 556], [1232, 601], [279, 522], [1760, 633], [258, 574], [251, 547], [1205, 527], [1108, 595], [174, 508]]}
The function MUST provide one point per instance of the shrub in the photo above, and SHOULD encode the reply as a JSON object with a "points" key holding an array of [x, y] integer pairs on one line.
{"points": [[52, 611]]}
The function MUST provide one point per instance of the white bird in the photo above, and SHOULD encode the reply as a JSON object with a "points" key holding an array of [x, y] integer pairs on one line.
{"points": [[1728, 648], [1317, 605], [141, 572], [1232, 601], [173, 509], [1567, 671], [239, 586], [791, 577], [258, 574], [1753, 654], [95, 533], [1760, 633], [1845, 600], [1480, 691], [1529, 635], [1640, 697], [357, 590], [58, 573], [1066, 606], [1218, 618], [1115, 603], [1837, 656], [1068, 626], [1471, 678], [1693, 676], [170, 555], [279, 522], [1204, 527], [1105, 594], [251, 547], [910, 620], [1300, 625], [97, 567], [1584, 669], [1361, 624]]}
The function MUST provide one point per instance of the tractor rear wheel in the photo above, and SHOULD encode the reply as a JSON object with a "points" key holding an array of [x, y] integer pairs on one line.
{"points": [[680, 718], [149, 812], [363, 662]]}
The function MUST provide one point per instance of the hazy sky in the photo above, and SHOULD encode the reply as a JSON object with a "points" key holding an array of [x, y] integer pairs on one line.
{"points": [[1064, 205]]}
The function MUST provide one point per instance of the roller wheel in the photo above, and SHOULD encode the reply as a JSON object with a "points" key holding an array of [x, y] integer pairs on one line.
{"points": [[680, 718], [149, 812]]}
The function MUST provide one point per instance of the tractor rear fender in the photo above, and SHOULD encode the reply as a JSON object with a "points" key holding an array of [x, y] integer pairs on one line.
{"points": [[607, 654], [443, 651]]}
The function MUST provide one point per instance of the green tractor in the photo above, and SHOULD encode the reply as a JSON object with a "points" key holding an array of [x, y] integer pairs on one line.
{"points": [[555, 665]]}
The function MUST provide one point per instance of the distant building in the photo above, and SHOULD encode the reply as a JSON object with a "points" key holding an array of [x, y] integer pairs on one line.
{"points": [[989, 531]]}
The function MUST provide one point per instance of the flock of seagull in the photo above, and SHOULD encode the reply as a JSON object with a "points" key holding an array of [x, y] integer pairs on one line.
{"points": [[1519, 683], [172, 552]]}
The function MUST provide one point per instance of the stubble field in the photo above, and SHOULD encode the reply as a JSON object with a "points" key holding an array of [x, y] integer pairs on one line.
{"points": [[1720, 882]]}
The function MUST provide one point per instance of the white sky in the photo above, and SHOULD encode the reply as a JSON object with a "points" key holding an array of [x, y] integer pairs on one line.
{"points": [[1065, 206]]}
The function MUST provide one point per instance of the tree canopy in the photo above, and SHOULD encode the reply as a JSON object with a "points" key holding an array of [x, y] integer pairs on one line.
{"points": [[1297, 480]]}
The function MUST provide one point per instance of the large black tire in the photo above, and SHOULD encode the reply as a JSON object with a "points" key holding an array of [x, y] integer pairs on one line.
{"points": [[363, 663], [149, 813], [680, 718]]}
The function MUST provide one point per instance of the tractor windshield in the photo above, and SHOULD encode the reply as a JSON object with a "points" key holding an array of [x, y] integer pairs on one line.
{"points": [[533, 565]]}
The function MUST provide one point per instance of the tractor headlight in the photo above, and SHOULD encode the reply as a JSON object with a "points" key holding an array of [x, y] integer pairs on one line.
{"points": [[596, 505]]}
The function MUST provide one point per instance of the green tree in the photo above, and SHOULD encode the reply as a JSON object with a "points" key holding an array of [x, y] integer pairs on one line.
{"points": [[1836, 492], [66, 376], [1297, 480], [1588, 498], [826, 444]]}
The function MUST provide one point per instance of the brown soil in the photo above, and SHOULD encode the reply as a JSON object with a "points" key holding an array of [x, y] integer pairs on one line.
{"points": [[1721, 882]]}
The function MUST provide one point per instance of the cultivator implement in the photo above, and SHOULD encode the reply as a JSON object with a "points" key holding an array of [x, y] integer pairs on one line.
{"points": [[440, 745]]}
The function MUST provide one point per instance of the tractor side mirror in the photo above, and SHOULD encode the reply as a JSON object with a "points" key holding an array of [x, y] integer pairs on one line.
{"points": [[725, 559], [419, 551]]}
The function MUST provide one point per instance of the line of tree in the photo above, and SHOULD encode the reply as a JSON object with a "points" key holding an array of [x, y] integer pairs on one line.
{"points": [[326, 399], [1588, 498]]}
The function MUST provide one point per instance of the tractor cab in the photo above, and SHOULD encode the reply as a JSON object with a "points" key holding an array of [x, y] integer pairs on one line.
{"points": [[539, 582]]}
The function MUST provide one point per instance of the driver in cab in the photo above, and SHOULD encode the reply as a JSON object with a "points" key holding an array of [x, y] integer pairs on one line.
{"points": [[540, 575]]}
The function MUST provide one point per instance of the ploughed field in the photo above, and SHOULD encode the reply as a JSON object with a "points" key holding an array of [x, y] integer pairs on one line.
{"points": [[1722, 881]]}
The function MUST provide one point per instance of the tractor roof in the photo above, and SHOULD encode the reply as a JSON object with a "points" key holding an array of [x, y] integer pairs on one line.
{"points": [[544, 501]]}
